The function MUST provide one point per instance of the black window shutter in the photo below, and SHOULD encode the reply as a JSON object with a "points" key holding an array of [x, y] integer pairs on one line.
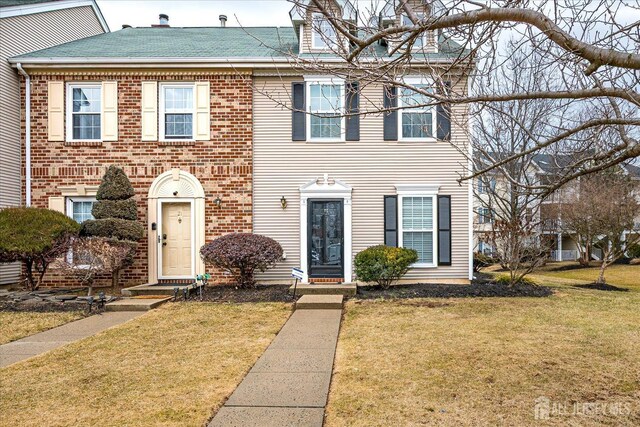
{"points": [[391, 220], [443, 117], [298, 113], [390, 117], [352, 98], [444, 230]]}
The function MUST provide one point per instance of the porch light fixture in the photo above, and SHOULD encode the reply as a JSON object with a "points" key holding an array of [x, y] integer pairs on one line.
{"points": [[218, 201], [283, 202]]}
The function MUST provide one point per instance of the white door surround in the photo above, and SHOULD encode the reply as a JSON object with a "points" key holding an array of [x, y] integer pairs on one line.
{"points": [[326, 188], [160, 240], [174, 186]]}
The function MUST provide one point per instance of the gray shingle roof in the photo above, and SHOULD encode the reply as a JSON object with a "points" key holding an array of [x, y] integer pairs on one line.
{"points": [[176, 42], [198, 43], [9, 3]]}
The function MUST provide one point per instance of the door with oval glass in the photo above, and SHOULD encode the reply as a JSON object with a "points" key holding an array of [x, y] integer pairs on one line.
{"points": [[175, 240], [326, 238]]}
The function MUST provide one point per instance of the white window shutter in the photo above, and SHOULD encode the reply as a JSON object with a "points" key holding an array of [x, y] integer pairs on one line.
{"points": [[55, 110], [110, 111], [149, 111], [203, 111], [56, 204]]}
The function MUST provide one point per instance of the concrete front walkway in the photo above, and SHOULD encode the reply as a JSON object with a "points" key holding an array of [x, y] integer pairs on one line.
{"points": [[34, 345], [289, 384]]}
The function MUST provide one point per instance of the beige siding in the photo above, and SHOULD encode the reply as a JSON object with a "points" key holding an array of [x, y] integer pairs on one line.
{"points": [[370, 166], [18, 35]]}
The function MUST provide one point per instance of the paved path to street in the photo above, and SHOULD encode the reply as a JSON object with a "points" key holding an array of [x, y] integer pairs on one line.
{"points": [[34, 345], [289, 384]]}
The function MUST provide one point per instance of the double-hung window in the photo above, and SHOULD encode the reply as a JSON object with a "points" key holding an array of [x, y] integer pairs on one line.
{"points": [[418, 219], [417, 118], [84, 112], [79, 209], [421, 40], [176, 111], [485, 216], [326, 103], [323, 35]]}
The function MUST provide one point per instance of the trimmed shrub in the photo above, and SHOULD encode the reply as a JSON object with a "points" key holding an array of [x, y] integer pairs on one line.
{"points": [[115, 185], [116, 215], [384, 264], [634, 250], [241, 254], [113, 228], [481, 261], [123, 209], [36, 237]]}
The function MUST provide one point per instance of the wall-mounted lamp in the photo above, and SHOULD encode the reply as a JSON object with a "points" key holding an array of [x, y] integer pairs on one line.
{"points": [[283, 202], [218, 201], [175, 193]]}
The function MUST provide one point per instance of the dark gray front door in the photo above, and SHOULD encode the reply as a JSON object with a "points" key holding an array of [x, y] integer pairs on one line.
{"points": [[326, 238]]}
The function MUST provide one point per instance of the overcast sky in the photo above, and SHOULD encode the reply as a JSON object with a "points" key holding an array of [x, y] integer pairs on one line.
{"points": [[196, 13]]}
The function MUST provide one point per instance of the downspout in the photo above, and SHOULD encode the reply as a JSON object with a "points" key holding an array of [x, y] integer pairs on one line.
{"points": [[27, 138]]}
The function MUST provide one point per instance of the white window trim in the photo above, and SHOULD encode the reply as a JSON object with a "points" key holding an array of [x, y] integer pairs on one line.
{"points": [[324, 38], [311, 80], [434, 227], [424, 33], [434, 120], [69, 200], [161, 110], [69, 109]]}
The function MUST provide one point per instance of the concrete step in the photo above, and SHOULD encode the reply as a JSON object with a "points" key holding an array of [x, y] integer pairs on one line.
{"points": [[136, 304], [149, 289], [319, 302], [347, 289]]}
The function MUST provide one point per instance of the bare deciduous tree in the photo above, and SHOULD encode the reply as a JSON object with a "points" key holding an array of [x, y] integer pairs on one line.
{"points": [[602, 213], [588, 48]]}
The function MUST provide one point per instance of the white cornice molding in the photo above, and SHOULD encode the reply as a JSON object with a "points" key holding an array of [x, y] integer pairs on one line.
{"points": [[404, 189], [29, 9]]}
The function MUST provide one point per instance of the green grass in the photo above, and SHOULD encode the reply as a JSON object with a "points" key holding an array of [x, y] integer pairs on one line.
{"points": [[484, 361], [173, 366]]}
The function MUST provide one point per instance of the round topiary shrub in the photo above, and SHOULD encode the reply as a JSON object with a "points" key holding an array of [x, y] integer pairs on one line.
{"points": [[36, 237], [384, 264], [241, 254]]}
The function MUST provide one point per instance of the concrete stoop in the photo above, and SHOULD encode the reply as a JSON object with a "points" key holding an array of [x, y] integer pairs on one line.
{"points": [[151, 289], [347, 289], [136, 304], [319, 302]]}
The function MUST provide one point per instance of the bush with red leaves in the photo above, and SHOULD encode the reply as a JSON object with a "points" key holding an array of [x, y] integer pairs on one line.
{"points": [[241, 254]]}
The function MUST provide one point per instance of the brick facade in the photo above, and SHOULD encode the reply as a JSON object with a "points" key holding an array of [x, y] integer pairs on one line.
{"points": [[223, 165]]}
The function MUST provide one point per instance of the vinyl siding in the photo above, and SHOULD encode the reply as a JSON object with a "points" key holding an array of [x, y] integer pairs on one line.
{"points": [[370, 166], [18, 35]]}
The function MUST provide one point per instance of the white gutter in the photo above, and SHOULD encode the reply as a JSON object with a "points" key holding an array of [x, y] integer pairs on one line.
{"points": [[27, 137]]}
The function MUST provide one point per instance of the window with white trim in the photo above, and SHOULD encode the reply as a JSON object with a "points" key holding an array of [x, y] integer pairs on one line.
{"points": [[417, 227], [84, 112], [79, 209], [177, 111], [421, 41], [323, 34], [326, 102], [417, 119], [485, 216], [483, 187]]}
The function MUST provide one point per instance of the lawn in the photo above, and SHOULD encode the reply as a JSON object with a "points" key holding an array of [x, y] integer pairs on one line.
{"points": [[173, 366], [627, 276], [484, 361], [16, 325]]}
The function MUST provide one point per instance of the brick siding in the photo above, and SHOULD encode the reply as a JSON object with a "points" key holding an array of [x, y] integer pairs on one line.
{"points": [[223, 165]]}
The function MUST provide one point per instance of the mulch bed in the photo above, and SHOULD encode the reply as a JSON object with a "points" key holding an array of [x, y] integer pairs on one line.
{"points": [[262, 293], [602, 287], [424, 290], [41, 307]]}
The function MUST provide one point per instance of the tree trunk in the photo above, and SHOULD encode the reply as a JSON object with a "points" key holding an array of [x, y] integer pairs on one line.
{"points": [[30, 284], [89, 289], [115, 278], [601, 280]]}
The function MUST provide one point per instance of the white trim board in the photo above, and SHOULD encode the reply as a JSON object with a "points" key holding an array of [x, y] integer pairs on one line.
{"points": [[191, 203]]}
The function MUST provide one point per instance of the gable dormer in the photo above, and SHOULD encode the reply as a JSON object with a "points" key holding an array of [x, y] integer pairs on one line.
{"points": [[315, 33], [393, 14]]}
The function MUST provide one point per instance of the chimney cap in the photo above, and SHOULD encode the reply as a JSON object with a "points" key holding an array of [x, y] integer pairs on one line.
{"points": [[164, 16]]}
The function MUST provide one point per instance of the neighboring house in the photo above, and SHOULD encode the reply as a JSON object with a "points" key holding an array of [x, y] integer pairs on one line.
{"points": [[193, 117], [25, 26], [562, 245]]}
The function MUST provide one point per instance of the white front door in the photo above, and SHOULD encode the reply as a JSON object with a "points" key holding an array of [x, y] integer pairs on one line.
{"points": [[176, 240]]}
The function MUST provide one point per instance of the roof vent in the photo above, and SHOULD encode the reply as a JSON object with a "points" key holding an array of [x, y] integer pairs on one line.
{"points": [[125, 26], [223, 20]]}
